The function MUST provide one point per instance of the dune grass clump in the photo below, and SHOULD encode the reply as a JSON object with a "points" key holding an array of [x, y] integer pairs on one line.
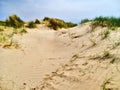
{"points": [[37, 21], [109, 22], [31, 24], [93, 42], [105, 84], [9, 27], [57, 23], [23, 31], [85, 21], [104, 34], [2, 23], [14, 21], [6, 38], [104, 56]]}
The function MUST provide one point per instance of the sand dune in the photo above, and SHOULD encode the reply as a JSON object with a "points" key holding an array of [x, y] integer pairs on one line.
{"points": [[68, 59]]}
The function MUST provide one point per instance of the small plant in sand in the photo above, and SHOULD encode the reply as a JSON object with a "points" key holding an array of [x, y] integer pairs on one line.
{"points": [[105, 55], [104, 34], [93, 42], [11, 44], [74, 57], [107, 85], [22, 31], [4, 39], [116, 44]]}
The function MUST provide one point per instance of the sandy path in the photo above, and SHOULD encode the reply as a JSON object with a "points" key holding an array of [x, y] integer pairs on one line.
{"points": [[40, 54], [61, 60]]}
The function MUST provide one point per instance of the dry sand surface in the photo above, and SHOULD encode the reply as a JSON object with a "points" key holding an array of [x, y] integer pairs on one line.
{"points": [[68, 59]]}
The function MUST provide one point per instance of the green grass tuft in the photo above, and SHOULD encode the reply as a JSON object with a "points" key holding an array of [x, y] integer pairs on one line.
{"points": [[84, 21], [37, 21], [31, 24], [14, 21], [109, 22], [104, 34]]}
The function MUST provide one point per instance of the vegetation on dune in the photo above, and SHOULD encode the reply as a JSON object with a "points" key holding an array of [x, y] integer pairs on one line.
{"points": [[57, 23], [104, 34], [14, 25], [37, 21], [110, 22], [17, 25], [84, 21], [14, 21], [31, 24], [6, 36], [2, 23], [9, 27]]}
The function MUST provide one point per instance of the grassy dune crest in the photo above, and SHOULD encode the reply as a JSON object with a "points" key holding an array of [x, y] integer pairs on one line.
{"points": [[57, 23], [110, 22], [14, 21]]}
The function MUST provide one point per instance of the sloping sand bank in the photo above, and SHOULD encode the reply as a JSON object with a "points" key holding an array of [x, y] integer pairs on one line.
{"points": [[74, 59]]}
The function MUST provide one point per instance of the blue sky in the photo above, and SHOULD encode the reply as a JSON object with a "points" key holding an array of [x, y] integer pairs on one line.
{"points": [[68, 10]]}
